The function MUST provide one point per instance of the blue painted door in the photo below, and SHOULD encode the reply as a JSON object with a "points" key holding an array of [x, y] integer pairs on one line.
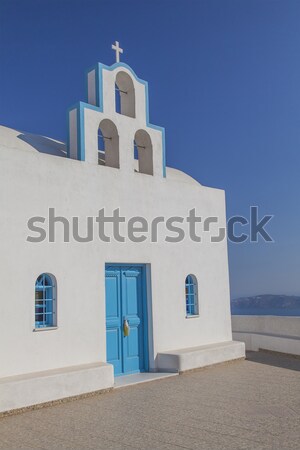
{"points": [[125, 300]]}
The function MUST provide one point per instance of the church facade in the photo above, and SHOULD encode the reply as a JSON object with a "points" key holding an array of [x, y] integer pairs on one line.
{"points": [[78, 312]]}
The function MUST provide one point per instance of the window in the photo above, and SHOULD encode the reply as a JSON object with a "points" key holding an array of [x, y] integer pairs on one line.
{"points": [[125, 95], [108, 144], [143, 151], [45, 301], [191, 295]]}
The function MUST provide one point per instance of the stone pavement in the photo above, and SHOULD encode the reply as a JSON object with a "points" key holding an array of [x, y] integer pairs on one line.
{"points": [[252, 404]]}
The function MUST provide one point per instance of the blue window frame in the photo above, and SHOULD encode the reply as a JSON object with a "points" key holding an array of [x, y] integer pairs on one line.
{"points": [[191, 296], [45, 307]]}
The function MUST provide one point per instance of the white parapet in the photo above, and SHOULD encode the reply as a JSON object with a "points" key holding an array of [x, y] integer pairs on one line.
{"points": [[196, 357], [257, 341], [278, 334], [42, 387]]}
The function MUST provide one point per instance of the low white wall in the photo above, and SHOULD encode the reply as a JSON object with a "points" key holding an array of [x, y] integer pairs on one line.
{"points": [[32, 389], [196, 357], [276, 333]]}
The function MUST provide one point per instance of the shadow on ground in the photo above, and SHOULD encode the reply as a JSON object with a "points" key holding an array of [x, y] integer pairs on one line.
{"points": [[275, 359]]}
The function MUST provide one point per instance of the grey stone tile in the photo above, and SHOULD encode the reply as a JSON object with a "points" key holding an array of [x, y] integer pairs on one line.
{"points": [[252, 404]]}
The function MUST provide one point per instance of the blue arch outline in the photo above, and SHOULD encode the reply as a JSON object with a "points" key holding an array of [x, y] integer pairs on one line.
{"points": [[80, 106]]}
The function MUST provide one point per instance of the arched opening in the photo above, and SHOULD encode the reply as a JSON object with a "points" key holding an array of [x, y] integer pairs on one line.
{"points": [[135, 151], [144, 152], [125, 95], [191, 296], [118, 99], [45, 301], [108, 144]]}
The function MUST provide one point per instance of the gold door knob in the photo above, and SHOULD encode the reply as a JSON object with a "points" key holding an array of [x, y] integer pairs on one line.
{"points": [[126, 328]]}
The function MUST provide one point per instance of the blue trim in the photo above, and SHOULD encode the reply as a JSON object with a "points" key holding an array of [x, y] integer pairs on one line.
{"points": [[145, 318], [101, 66], [87, 72], [44, 304], [191, 296], [99, 102], [72, 108]]}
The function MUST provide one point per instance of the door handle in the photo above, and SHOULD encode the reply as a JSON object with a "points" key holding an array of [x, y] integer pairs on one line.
{"points": [[126, 328]]}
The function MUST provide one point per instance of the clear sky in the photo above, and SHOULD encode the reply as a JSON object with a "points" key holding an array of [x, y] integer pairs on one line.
{"points": [[224, 81]]}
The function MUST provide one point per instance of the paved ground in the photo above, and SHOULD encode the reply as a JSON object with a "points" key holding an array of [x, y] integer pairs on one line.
{"points": [[253, 404]]}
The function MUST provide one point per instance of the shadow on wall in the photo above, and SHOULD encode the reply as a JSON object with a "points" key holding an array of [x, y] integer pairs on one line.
{"points": [[282, 360], [44, 145]]}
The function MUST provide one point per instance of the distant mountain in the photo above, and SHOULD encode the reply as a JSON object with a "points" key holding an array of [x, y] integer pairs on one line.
{"points": [[276, 305]]}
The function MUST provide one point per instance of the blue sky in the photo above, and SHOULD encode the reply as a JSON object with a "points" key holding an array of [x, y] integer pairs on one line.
{"points": [[223, 79]]}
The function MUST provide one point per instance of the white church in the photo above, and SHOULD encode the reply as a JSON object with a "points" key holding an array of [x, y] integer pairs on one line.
{"points": [[76, 316]]}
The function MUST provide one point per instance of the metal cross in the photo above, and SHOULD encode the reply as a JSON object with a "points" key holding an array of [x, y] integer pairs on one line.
{"points": [[118, 50]]}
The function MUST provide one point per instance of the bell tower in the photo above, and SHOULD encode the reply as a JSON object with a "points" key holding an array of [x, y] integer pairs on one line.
{"points": [[115, 121]]}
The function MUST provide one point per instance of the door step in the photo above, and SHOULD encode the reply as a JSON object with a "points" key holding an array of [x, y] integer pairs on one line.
{"points": [[137, 378]]}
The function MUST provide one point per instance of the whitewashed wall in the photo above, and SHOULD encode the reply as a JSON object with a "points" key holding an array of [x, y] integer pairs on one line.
{"points": [[276, 333], [30, 183]]}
